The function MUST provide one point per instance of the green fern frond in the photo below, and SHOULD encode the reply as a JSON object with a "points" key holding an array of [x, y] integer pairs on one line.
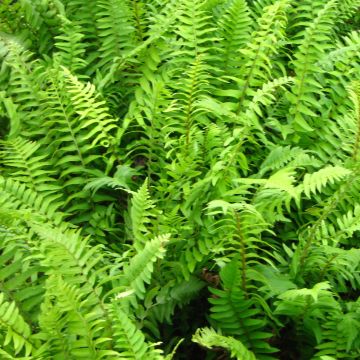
{"points": [[237, 316], [255, 69], [84, 14], [209, 338], [235, 26], [329, 175], [347, 8], [255, 109], [341, 133], [147, 111], [340, 336], [71, 49], [18, 267], [195, 31], [21, 160], [66, 253], [120, 181], [233, 125], [77, 312], [347, 48], [354, 92], [336, 265], [139, 270], [161, 24], [17, 196], [281, 156], [93, 113], [10, 110], [129, 340], [116, 30], [41, 20], [185, 113], [258, 6], [304, 94], [307, 308], [17, 332], [140, 215], [240, 227], [26, 78]]}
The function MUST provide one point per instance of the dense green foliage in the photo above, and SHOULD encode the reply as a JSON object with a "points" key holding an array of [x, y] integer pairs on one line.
{"points": [[179, 179]]}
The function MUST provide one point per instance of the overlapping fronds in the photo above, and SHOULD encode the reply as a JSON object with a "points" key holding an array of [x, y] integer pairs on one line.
{"points": [[179, 167]]}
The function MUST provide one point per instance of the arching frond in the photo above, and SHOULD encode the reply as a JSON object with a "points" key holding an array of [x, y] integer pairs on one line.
{"points": [[209, 338]]}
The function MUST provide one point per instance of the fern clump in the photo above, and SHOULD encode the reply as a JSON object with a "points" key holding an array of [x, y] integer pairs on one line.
{"points": [[179, 179]]}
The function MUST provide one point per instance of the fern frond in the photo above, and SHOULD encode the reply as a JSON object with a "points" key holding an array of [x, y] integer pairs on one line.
{"points": [[120, 180], [346, 49], [240, 227], [15, 195], [329, 175], [41, 20], [161, 24], [237, 316], [258, 6], [129, 340], [354, 93], [140, 215], [116, 30], [21, 160], [70, 46], [25, 86], [280, 156], [195, 31], [94, 113], [66, 253], [10, 110], [336, 265], [307, 308], [18, 266], [185, 112], [235, 26], [341, 133], [17, 331], [256, 67], [304, 94], [209, 338], [340, 336], [139, 270], [83, 16], [77, 312]]}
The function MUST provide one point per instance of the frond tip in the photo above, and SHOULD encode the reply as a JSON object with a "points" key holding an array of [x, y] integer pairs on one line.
{"points": [[209, 338], [141, 266], [16, 329]]}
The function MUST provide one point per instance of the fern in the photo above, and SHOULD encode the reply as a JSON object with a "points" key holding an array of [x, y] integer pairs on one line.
{"points": [[70, 48], [139, 270], [25, 83], [194, 31], [141, 214], [314, 182], [131, 342], [235, 25], [347, 326], [255, 69], [209, 338], [116, 30], [237, 316], [231, 125], [19, 154], [306, 88], [18, 332], [15, 195]]}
